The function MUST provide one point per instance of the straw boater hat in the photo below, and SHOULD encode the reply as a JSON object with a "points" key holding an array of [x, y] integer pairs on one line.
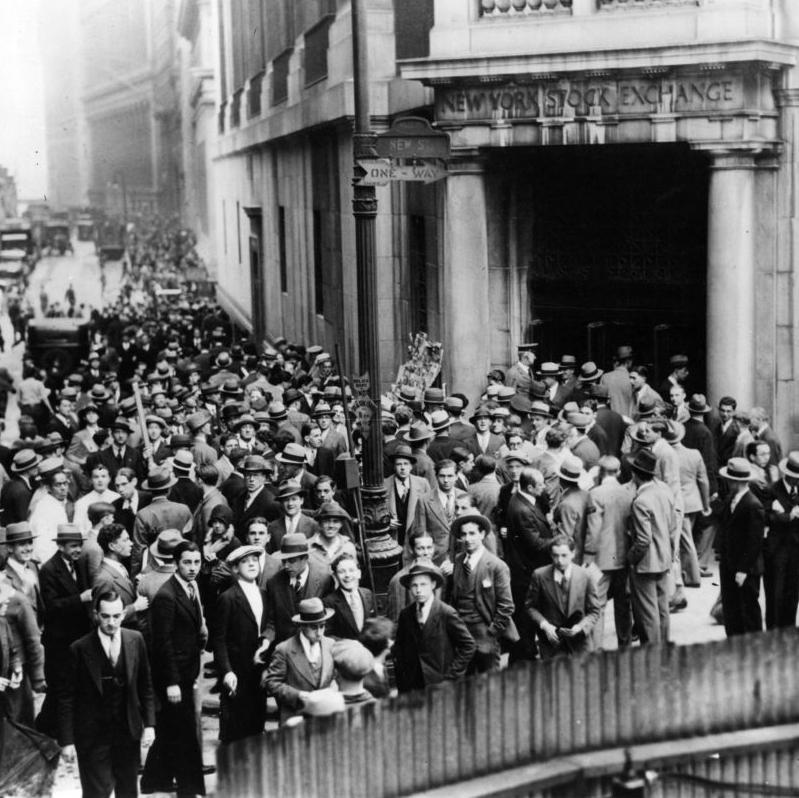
{"points": [[292, 454], [312, 610], [68, 533], [570, 469], [24, 460], [790, 465], [183, 460], [19, 532], [738, 469]]}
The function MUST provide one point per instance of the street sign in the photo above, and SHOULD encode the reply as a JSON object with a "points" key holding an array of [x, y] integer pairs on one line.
{"points": [[381, 171], [412, 137]]}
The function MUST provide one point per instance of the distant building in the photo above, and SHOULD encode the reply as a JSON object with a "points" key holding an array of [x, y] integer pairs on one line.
{"points": [[8, 195]]}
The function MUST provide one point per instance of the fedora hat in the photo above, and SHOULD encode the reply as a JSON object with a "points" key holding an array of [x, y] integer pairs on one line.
{"points": [[198, 420], [439, 419], [698, 404], [678, 361], [50, 466], [645, 462], [89, 407], [232, 387], [322, 409], [539, 408], [55, 439], [242, 420], [180, 442], [646, 409], [470, 518], [738, 469], [293, 545], [121, 423], [292, 454], [433, 396], [98, 393], [254, 462], [548, 369], [288, 489], [674, 432], [418, 433], [68, 393], [420, 568], [20, 532], [568, 362], [24, 460], [159, 479], [526, 347], [570, 469], [312, 610], [589, 372], [164, 545], [403, 451], [223, 360], [790, 465], [183, 460], [240, 552], [520, 404], [505, 393], [68, 533], [153, 419], [332, 509], [483, 411], [641, 432], [277, 411], [624, 353]]}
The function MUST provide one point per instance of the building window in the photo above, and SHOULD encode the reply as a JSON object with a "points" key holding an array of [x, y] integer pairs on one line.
{"points": [[281, 237], [280, 78], [316, 40], [254, 96], [318, 266], [417, 256]]}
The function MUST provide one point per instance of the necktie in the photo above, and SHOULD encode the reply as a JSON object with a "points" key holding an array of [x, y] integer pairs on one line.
{"points": [[192, 592], [298, 589], [450, 508], [114, 650], [354, 600], [420, 614], [402, 489], [467, 566], [71, 569]]}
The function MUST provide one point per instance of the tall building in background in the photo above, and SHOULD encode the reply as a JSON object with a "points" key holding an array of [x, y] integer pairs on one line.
{"points": [[123, 121], [8, 195]]}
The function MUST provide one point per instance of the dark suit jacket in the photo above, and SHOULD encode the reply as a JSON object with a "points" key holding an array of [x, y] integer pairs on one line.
{"points": [[81, 708], [131, 458], [66, 617], [614, 427], [431, 516], [236, 634], [418, 487], [15, 500], [233, 486], [783, 533], [126, 517], [527, 545], [725, 441], [441, 447], [263, 505], [108, 578], [545, 602], [184, 491], [277, 529], [282, 601], [324, 463], [698, 436], [741, 539], [178, 635], [440, 650], [342, 624]]}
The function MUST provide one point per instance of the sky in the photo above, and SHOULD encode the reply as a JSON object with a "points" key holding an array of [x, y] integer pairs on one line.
{"points": [[22, 139]]}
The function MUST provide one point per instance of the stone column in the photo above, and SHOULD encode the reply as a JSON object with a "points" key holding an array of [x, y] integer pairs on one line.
{"points": [[731, 277], [465, 283]]}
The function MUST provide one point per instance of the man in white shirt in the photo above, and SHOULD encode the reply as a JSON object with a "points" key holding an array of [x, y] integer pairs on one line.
{"points": [[100, 492], [49, 513]]}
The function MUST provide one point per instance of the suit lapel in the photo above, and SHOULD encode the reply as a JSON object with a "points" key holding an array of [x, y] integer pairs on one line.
{"points": [[344, 609], [94, 661], [301, 661], [129, 651], [245, 604]]}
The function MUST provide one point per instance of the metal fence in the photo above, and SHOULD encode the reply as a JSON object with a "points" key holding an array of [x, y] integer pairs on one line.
{"points": [[457, 731]]}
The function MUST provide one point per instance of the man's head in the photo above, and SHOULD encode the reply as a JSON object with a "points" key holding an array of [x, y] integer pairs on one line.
{"points": [[208, 474], [758, 419], [345, 569], [258, 532], [677, 395], [58, 485], [245, 562], [312, 435], [471, 531], [187, 560], [727, 407], [290, 498], [422, 546], [446, 472], [115, 542], [402, 467], [69, 541], [561, 549], [759, 453], [311, 618], [531, 481], [324, 489], [100, 478], [125, 482], [100, 514], [108, 612], [638, 377]]}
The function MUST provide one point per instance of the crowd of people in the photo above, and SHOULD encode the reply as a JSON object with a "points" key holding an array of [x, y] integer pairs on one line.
{"points": [[177, 495]]}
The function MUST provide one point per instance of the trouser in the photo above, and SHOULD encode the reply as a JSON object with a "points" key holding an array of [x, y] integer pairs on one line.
{"points": [[689, 560], [54, 673], [781, 583], [704, 536], [740, 603], [612, 585], [649, 593], [487, 655], [109, 765]]}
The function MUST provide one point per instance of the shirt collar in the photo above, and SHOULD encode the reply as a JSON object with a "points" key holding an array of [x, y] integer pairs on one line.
{"points": [[184, 584], [561, 575], [475, 556], [313, 651], [116, 566], [426, 608]]}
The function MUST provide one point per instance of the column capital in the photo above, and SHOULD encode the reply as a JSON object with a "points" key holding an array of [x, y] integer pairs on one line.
{"points": [[787, 98], [466, 161], [754, 154]]}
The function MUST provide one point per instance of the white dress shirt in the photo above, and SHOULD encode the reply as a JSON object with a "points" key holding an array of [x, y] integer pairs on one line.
{"points": [[253, 595]]}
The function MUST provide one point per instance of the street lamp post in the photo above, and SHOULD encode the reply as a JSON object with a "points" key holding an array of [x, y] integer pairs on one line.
{"points": [[382, 549]]}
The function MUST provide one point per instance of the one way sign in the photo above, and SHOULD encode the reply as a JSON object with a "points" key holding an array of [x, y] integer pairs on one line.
{"points": [[381, 171]]}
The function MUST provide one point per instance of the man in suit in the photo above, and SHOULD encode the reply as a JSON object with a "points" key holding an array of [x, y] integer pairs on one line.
{"points": [[331, 440], [397, 595], [100, 492], [480, 592], [304, 662], [781, 546], [233, 484], [518, 376], [574, 507], [64, 420], [208, 476], [432, 643], [106, 708], [130, 500], [606, 548], [351, 603], [485, 441], [258, 498], [609, 420], [117, 546], [119, 454], [240, 622], [319, 460], [404, 490], [158, 515], [15, 497], [292, 520], [698, 436], [562, 602], [301, 577], [653, 527], [185, 490], [741, 551], [435, 512], [67, 598], [440, 448], [179, 636], [759, 426], [580, 444], [20, 568], [725, 431], [485, 488]]}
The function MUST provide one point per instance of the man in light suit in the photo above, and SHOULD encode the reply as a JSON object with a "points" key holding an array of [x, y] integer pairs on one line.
{"points": [[606, 547], [617, 381], [106, 707], [562, 602], [432, 644], [652, 530], [404, 490], [480, 592], [293, 520], [304, 662], [435, 512]]}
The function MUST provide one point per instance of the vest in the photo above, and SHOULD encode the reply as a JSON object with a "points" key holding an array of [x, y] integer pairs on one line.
{"points": [[466, 589], [402, 512], [114, 684]]}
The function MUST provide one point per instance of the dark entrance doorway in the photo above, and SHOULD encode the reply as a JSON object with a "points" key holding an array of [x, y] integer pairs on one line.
{"points": [[616, 252]]}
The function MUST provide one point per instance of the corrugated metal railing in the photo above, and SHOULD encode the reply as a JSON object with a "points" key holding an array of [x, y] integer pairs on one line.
{"points": [[489, 723]]}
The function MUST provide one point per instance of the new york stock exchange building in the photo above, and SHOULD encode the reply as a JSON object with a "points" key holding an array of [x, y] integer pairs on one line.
{"points": [[621, 172]]}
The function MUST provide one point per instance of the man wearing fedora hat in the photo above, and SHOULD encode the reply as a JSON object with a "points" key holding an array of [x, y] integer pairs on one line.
{"points": [[617, 381], [258, 497], [418, 437], [304, 662], [16, 495], [570, 515], [156, 450], [300, 577], [119, 454], [740, 546], [440, 448], [480, 592], [292, 519], [404, 491], [432, 643], [159, 565], [20, 568], [485, 441], [64, 419], [185, 490], [199, 426], [331, 439], [677, 377], [518, 375], [653, 529], [291, 467], [67, 598]]}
